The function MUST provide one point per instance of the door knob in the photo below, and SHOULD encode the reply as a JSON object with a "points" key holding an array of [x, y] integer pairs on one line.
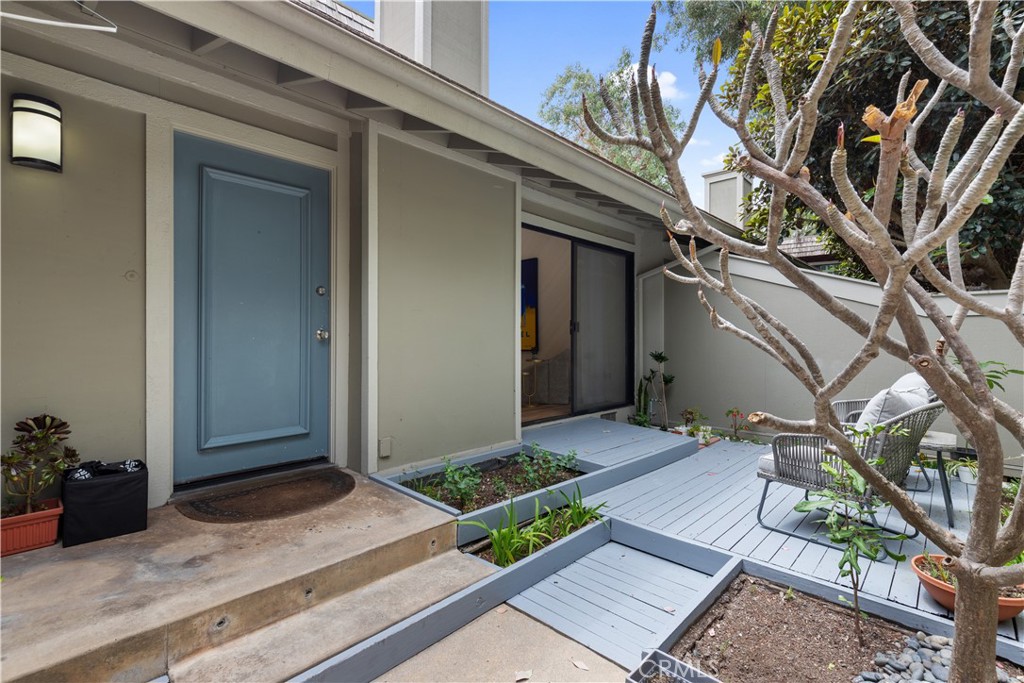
{"points": [[322, 334]]}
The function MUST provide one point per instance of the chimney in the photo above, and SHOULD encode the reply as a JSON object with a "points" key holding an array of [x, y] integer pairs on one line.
{"points": [[723, 195], [448, 36]]}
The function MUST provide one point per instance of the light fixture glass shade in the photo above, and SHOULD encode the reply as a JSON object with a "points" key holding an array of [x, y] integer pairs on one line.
{"points": [[36, 133]]}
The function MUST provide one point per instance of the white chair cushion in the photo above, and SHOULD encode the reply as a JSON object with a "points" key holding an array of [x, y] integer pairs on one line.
{"points": [[909, 392], [913, 383], [766, 463]]}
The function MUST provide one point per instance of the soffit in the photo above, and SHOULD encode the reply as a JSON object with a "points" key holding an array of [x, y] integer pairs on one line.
{"points": [[288, 51]]}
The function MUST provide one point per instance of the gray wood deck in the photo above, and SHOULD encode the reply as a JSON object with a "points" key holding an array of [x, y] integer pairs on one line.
{"points": [[603, 443], [616, 600], [712, 497]]}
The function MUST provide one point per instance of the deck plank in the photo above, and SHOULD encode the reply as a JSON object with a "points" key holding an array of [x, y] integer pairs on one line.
{"points": [[712, 497], [616, 600]]}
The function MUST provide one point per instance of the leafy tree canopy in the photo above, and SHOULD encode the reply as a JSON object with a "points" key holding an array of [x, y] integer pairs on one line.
{"points": [[562, 111], [876, 60], [693, 25]]}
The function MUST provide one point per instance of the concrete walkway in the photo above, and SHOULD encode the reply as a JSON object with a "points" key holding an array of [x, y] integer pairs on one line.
{"points": [[130, 608], [500, 646]]}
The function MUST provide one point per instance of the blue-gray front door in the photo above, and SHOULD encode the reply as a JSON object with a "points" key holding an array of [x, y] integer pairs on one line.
{"points": [[251, 310]]}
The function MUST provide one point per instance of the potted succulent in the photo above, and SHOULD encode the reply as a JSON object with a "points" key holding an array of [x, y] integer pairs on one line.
{"points": [[34, 462], [932, 571]]}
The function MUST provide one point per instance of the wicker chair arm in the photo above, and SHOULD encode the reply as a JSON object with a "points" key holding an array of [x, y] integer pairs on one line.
{"points": [[798, 459], [848, 410]]}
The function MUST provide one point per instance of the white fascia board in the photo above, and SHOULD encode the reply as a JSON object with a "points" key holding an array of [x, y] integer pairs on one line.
{"points": [[293, 36]]}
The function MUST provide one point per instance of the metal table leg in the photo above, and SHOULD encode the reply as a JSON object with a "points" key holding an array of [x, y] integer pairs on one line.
{"points": [[944, 481]]}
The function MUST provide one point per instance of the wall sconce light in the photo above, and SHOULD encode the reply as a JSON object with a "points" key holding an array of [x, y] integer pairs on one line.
{"points": [[36, 133]]}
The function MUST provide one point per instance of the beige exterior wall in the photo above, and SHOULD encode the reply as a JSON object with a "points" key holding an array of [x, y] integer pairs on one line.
{"points": [[73, 258], [448, 331], [716, 370]]}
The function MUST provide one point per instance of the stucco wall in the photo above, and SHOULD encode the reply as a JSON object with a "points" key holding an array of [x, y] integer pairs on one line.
{"points": [[716, 370], [73, 254], [448, 332], [554, 284]]}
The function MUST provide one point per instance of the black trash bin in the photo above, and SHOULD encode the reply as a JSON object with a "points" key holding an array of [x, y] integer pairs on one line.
{"points": [[103, 500]]}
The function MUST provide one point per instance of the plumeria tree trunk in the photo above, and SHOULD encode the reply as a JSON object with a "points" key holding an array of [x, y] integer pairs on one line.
{"points": [[933, 205]]}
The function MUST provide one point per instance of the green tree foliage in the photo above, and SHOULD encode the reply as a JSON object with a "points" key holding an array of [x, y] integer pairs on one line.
{"points": [[562, 111], [876, 61], [693, 25]]}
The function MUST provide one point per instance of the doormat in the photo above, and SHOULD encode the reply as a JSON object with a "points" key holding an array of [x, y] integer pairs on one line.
{"points": [[273, 499]]}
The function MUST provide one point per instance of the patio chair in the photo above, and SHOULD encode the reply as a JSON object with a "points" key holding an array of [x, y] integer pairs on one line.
{"points": [[796, 458], [849, 412]]}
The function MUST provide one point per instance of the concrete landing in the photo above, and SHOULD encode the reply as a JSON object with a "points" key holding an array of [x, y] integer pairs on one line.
{"points": [[291, 646], [500, 644], [129, 608]]}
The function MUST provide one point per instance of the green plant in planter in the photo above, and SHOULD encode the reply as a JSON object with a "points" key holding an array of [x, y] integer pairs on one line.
{"points": [[953, 467], [36, 458], [738, 418], [641, 415], [847, 524], [460, 482], [693, 419], [578, 514], [659, 378]]}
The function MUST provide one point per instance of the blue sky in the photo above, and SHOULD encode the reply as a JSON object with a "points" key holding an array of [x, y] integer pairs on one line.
{"points": [[532, 41]]}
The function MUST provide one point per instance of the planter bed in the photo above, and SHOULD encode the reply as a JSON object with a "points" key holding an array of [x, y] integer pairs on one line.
{"points": [[909, 617], [377, 655], [505, 475], [493, 515]]}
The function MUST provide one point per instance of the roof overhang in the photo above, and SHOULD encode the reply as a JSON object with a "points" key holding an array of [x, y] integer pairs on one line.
{"points": [[284, 46]]}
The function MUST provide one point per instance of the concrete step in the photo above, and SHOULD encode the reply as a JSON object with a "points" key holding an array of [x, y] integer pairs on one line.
{"points": [[132, 607], [290, 646]]}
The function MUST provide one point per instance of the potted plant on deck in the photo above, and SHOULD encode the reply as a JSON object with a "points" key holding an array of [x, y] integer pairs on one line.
{"points": [[941, 585], [34, 462]]}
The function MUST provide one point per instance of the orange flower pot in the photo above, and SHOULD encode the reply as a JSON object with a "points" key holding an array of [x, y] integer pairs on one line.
{"points": [[945, 594], [34, 530]]}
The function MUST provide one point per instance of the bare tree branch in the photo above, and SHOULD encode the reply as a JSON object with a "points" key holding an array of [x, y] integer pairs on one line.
{"points": [[984, 89]]}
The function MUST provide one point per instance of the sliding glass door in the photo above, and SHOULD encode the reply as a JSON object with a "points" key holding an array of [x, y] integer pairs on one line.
{"points": [[602, 327]]}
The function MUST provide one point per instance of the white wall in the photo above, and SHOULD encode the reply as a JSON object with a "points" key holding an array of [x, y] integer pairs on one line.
{"points": [[448, 324], [554, 283], [448, 36], [722, 371]]}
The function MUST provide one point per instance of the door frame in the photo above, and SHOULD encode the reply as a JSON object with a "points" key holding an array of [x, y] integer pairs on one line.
{"points": [[305, 437], [629, 323], [162, 118], [160, 271], [575, 237]]}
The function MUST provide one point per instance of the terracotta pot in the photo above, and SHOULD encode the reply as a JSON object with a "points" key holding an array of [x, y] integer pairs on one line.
{"points": [[945, 594], [31, 531]]}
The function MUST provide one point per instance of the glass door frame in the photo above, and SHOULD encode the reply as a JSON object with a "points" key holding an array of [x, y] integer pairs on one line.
{"points": [[629, 322]]}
